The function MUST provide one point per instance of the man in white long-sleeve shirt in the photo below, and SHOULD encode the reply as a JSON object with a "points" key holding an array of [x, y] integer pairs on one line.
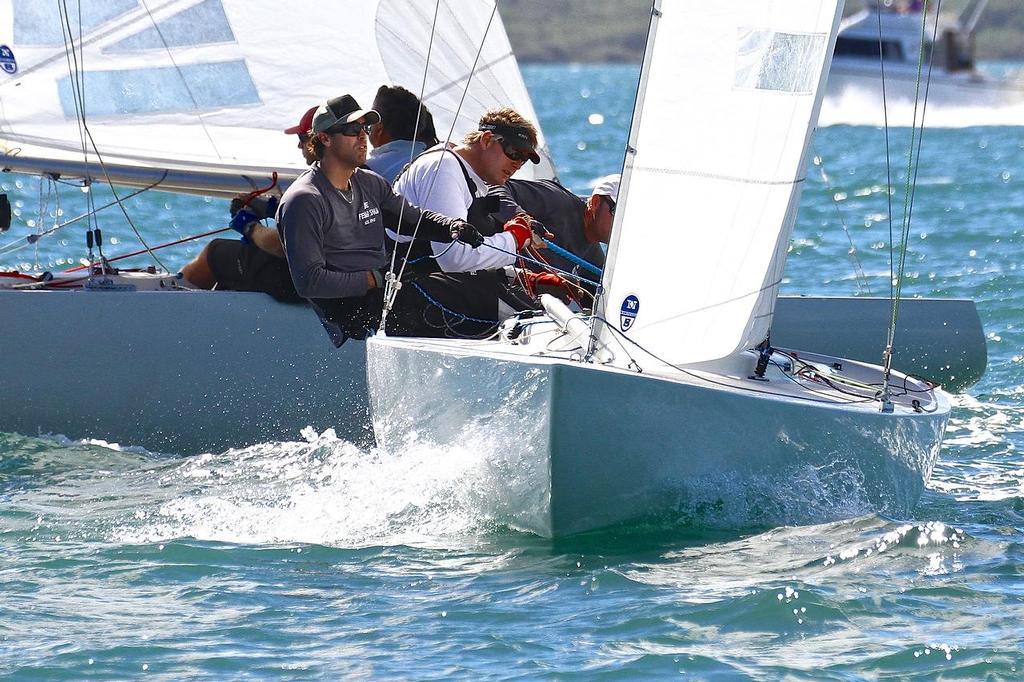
{"points": [[453, 180]]}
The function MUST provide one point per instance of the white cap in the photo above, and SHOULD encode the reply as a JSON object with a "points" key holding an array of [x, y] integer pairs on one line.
{"points": [[608, 186]]}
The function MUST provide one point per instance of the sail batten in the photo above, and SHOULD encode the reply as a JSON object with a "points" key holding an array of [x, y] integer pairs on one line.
{"points": [[712, 179]]}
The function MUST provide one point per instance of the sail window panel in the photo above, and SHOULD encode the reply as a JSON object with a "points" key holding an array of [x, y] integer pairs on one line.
{"points": [[162, 89], [37, 22], [777, 61], [202, 24]]}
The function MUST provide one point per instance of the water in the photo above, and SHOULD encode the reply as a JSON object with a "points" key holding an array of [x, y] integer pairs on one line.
{"points": [[315, 558]]}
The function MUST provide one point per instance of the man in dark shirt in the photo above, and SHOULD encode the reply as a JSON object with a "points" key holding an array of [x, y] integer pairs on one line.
{"points": [[332, 222], [579, 226]]}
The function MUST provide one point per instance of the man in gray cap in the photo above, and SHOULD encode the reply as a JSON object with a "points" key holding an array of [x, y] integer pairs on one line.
{"points": [[332, 222]]}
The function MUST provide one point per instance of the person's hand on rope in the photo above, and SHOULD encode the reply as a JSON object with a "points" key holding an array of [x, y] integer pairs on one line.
{"points": [[519, 228], [243, 222], [467, 234], [545, 283], [540, 233], [258, 206]]}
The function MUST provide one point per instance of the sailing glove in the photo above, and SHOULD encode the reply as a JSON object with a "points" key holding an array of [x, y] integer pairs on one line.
{"points": [[466, 233], [261, 208], [519, 228], [242, 223]]}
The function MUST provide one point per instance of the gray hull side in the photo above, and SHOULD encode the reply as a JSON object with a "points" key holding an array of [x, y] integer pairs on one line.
{"points": [[573, 448], [181, 372], [937, 339]]}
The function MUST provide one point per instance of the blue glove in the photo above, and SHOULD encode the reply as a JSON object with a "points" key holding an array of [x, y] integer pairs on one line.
{"points": [[242, 223]]}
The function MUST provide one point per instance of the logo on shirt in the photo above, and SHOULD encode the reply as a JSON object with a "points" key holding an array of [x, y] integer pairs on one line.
{"points": [[369, 214], [628, 312]]}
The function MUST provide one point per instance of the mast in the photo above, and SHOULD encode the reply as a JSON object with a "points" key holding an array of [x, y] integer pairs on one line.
{"points": [[627, 172]]}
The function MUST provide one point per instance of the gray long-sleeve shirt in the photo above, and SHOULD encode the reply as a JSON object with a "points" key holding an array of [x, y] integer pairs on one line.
{"points": [[332, 239]]}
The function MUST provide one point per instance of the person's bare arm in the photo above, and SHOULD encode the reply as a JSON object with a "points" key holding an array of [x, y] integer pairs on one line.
{"points": [[267, 239]]}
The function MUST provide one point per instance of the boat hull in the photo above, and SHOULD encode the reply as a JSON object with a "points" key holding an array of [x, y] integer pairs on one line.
{"points": [[586, 447], [855, 96], [196, 371], [175, 371]]}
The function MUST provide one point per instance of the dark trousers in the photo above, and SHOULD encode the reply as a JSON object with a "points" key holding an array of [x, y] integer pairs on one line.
{"points": [[437, 305]]}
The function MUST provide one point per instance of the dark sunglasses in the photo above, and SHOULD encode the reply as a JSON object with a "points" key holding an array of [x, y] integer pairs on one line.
{"points": [[517, 155], [608, 200], [350, 129]]}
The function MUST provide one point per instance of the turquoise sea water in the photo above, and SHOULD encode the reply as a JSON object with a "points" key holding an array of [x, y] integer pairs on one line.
{"points": [[315, 558]]}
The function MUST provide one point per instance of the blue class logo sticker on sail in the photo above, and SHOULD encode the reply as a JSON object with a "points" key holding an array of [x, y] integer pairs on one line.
{"points": [[628, 312], [7, 61]]}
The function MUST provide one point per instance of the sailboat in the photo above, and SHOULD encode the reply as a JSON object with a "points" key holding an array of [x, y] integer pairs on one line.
{"points": [[892, 29], [191, 96], [670, 398]]}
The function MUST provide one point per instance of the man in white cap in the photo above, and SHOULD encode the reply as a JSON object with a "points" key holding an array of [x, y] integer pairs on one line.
{"points": [[577, 225]]}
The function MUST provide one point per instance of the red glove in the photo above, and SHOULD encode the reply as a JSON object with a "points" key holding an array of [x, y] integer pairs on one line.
{"points": [[519, 227], [543, 278], [538, 283]]}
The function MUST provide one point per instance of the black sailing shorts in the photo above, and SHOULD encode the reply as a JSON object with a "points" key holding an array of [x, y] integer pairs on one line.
{"points": [[246, 267]]}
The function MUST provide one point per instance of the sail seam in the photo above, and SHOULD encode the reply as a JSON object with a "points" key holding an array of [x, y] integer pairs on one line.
{"points": [[712, 306], [716, 176]]}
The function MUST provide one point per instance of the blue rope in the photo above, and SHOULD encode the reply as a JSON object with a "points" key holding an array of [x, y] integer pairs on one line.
{"points": [[546, 266], [435, 302], [572, 257]]}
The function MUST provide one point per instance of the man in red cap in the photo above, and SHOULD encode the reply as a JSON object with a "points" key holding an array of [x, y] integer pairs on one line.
{"points": [[256, 262]]}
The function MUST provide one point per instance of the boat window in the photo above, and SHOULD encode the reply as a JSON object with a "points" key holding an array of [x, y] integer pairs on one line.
{"points": [[201, 24], [162, 89], [39, 23], [784, 62], [868, 47]]}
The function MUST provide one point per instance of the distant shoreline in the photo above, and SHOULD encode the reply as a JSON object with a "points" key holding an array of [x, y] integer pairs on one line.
{"points": [[615, 31]]}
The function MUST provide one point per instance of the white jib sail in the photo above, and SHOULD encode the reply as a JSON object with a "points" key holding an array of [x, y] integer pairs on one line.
{"points": [[204, 88], [729, 95]]}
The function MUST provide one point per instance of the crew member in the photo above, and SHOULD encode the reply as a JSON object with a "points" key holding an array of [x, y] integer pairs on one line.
{"points": [[332, 220]]}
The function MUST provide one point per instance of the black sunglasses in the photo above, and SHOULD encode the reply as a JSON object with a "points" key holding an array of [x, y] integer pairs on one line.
{"points": [[517, 155], [608, 200], [350, 129]]}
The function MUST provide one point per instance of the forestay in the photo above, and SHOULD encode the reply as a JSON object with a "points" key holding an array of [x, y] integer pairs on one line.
{"points": [[203, 88], [728, 98]]}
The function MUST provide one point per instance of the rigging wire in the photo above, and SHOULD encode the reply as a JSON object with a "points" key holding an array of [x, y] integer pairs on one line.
{"points": [[17, 244], [412, 148], [700, 377], [392, 289], [78, 87], [184, 81], [862, 280], [913, 165]]}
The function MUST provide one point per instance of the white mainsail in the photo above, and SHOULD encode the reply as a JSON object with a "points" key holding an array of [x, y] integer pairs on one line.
{"points": [[203, 88], [728, 99]]}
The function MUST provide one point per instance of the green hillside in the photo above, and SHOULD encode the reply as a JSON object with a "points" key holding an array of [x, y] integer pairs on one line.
{"points": [[616, 30]]}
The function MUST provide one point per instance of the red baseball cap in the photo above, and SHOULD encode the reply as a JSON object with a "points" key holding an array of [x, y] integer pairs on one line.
{"points": [[304, 124]]}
